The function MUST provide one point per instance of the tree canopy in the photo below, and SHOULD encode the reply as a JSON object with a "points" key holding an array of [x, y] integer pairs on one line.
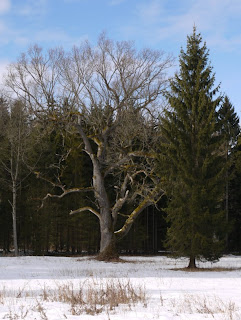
{"points": [[192, 157]]}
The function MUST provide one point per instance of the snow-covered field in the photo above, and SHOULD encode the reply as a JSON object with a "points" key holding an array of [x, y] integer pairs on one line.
{"points": [[56, 288]]}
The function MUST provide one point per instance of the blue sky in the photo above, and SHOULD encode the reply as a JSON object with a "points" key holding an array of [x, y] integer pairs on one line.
{"points": [[158, 24]]}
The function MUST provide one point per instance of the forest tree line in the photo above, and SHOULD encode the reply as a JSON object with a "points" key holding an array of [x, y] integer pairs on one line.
{"points": [[102, 152]]}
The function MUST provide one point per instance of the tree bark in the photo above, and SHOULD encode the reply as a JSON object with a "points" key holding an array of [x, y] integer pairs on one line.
{"points": [[108, 250], [14, 215], [192, 263], [227, 198]]}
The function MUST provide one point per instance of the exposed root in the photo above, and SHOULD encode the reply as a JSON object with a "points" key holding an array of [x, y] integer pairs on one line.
{"points": [[109, 254]]}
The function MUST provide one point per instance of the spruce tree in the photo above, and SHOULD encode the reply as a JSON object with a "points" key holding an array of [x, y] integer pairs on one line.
{"points": [[235, 199], [191, 158], [229, 122], [229, 128]]}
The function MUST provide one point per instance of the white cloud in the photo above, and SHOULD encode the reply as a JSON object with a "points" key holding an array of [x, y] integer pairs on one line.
{"points": [[151, 12], [57, 36], [3, 70], [8, 35], [32, 8], [21, 40], [215, 18], [227, 44], [4, 6], [157, 21]]}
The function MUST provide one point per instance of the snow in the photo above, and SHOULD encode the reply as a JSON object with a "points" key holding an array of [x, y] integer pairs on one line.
{"points": [[172, 293]]}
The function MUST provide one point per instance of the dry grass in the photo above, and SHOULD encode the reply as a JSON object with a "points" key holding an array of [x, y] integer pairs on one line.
{"points": [[40, 309], [89, 297], [2, 295], [17, 313], [95, 296], [214, 306]]}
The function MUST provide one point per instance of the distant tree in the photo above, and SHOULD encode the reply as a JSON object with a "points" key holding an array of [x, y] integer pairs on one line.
{"points": [[191, 158], [5, 194], [14, 155], [229, 123], [235, 199], [112, 90]]}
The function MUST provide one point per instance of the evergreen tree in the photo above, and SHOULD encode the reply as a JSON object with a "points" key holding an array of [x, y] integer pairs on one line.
{"points": [[229, 123], [192, 159], [235, 199]]}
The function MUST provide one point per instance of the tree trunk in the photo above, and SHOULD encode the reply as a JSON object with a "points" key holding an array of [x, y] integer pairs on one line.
{"points": [[108, 249], [192, 263], [14, 215], [227, 199]]}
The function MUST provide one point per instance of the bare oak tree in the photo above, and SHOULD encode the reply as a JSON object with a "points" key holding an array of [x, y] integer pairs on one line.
{"points": [[113, 92]]}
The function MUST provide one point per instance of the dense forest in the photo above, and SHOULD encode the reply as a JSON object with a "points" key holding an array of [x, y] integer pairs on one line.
{"points": [[102, 153]]}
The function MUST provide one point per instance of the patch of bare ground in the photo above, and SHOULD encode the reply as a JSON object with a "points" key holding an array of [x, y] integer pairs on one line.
{"points": [[114, 260], [117, 260], [214, 269]]}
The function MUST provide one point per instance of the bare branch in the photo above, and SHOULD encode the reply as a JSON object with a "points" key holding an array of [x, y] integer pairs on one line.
{"points": [[85, 209], [149, 200], [116, 165], [112, 88], [68, 191], [143, 154], [118, 205]]}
